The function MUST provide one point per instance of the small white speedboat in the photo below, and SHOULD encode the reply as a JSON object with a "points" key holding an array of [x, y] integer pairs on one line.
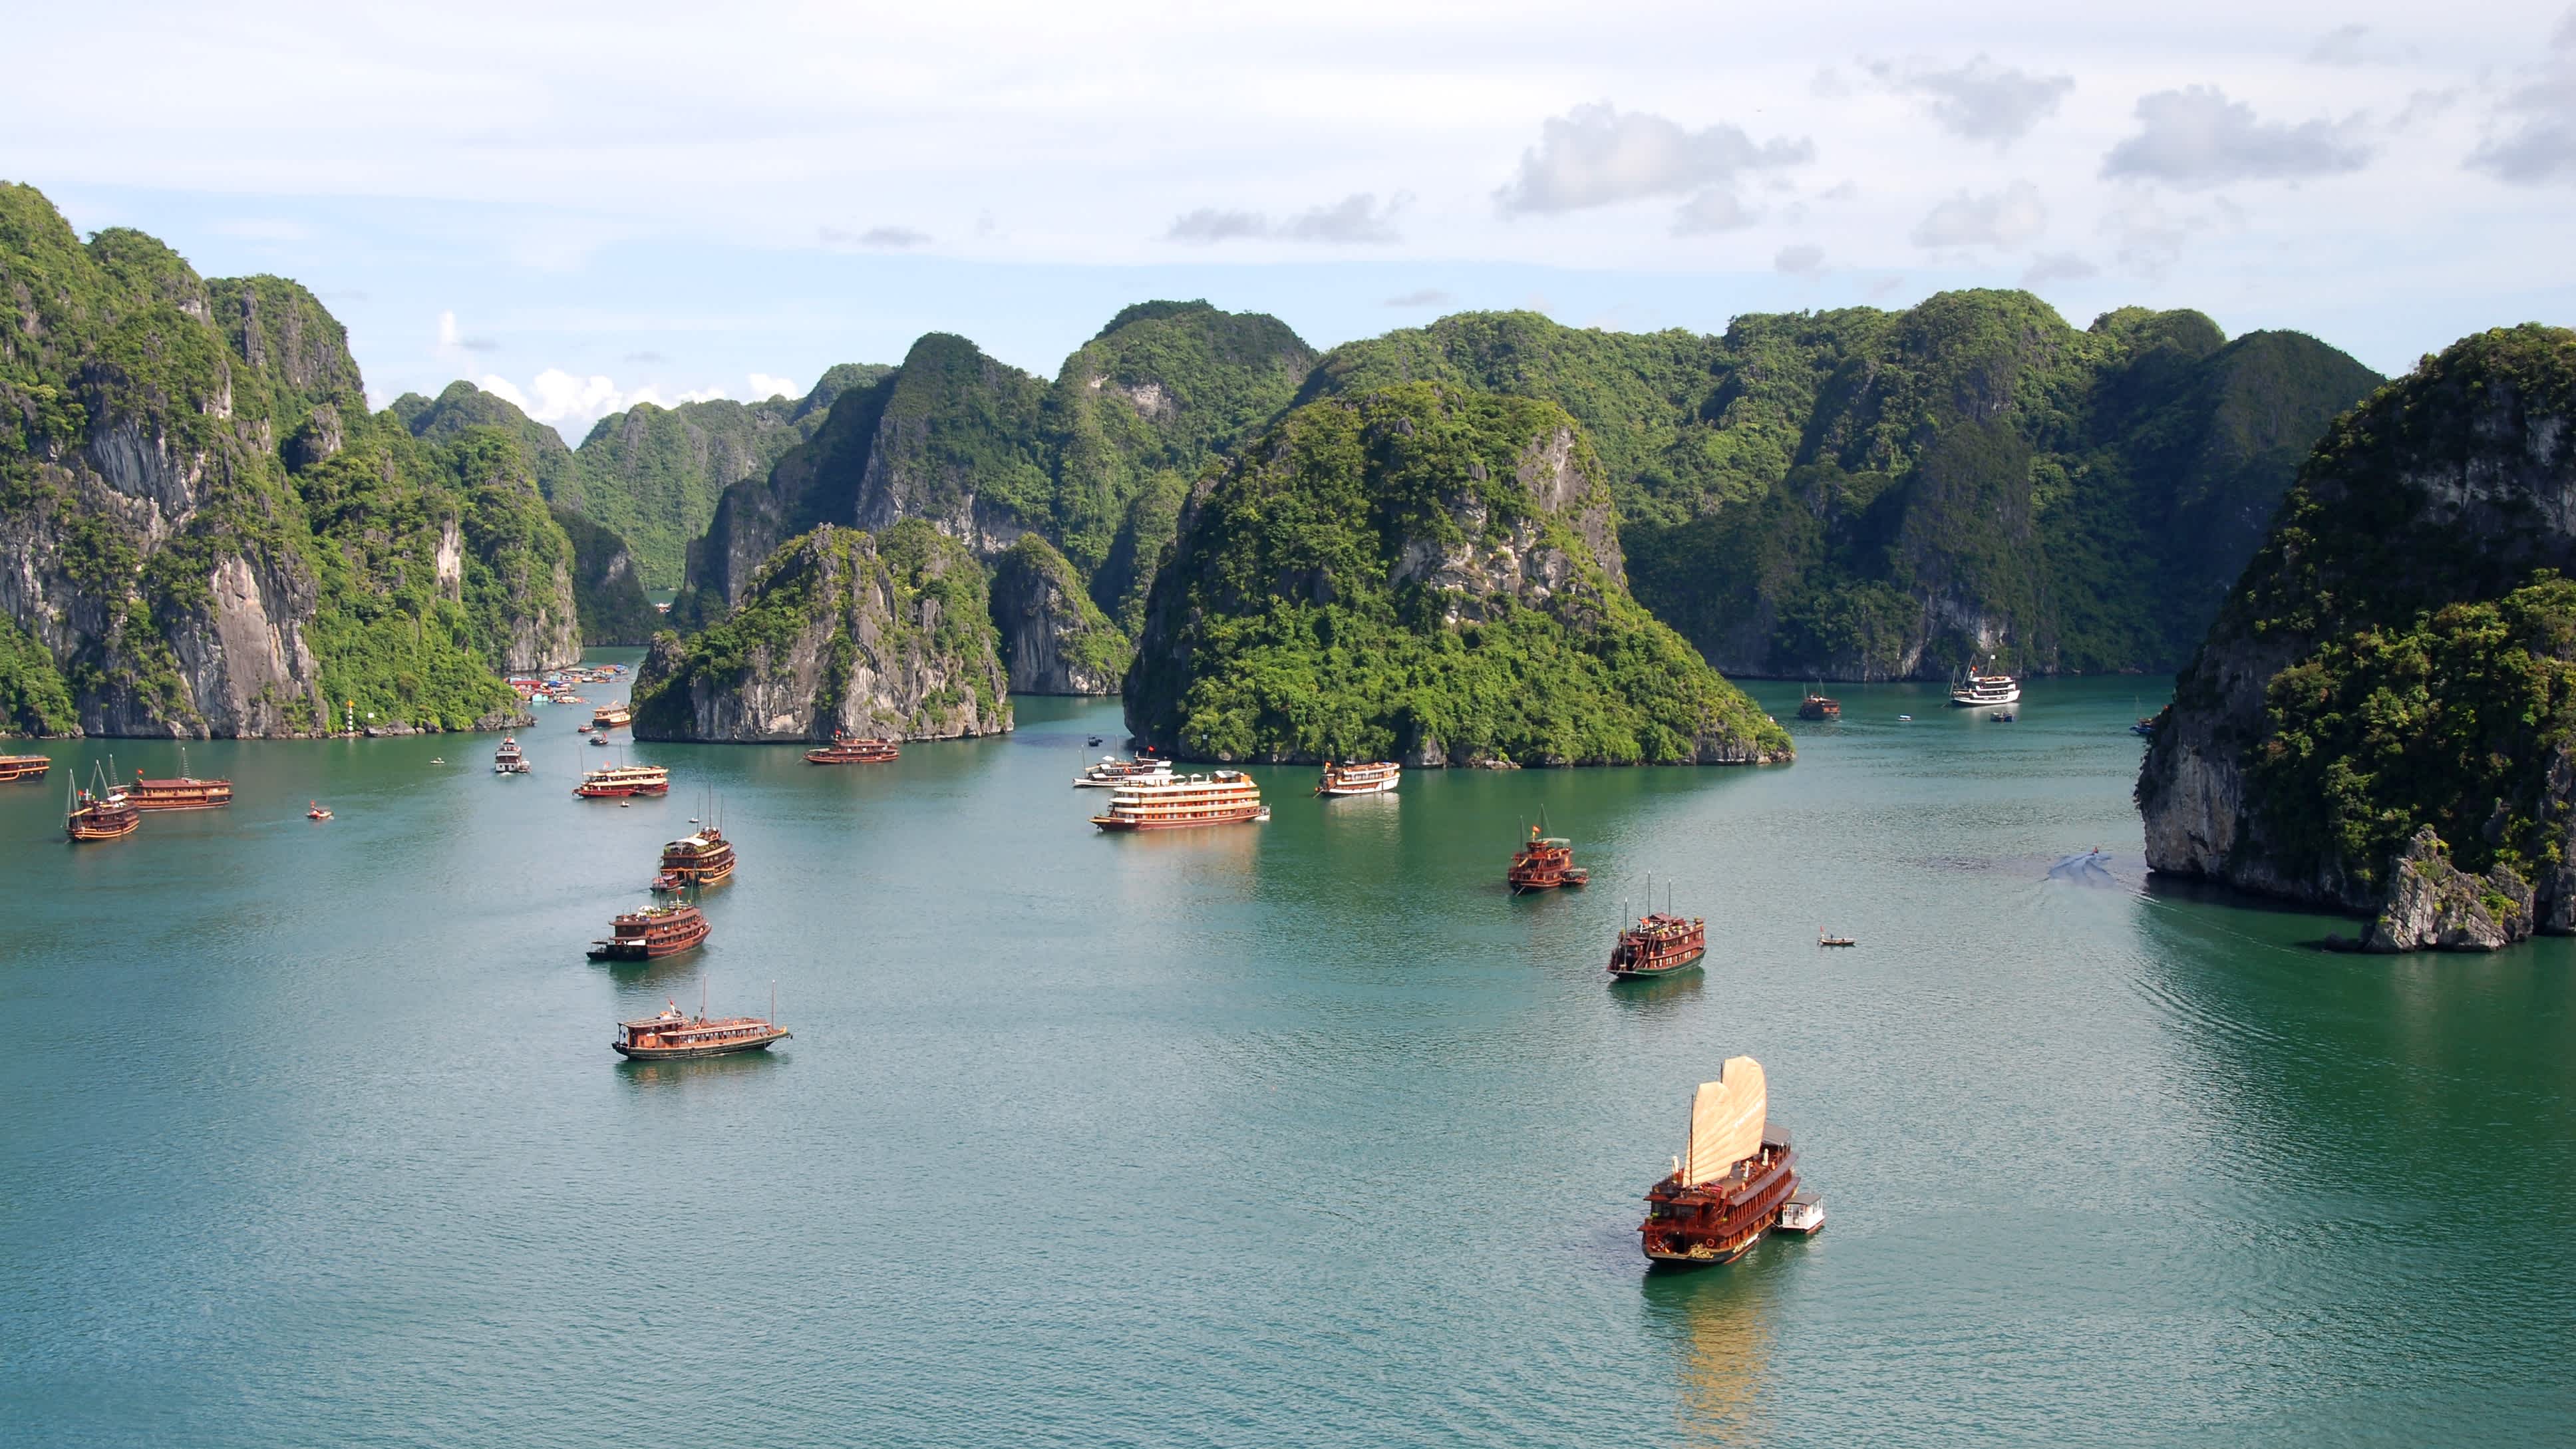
{"points": [[1803, 1213]]}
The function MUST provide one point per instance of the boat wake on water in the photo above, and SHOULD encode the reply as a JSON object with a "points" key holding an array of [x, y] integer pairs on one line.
{"points": [[2090, 867]]}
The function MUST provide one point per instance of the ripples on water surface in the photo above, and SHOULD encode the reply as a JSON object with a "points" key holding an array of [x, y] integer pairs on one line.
{"points": [[1298, 1134]]}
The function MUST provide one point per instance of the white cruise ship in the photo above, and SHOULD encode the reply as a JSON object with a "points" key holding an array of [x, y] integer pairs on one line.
{"points": [[1985, 689]]}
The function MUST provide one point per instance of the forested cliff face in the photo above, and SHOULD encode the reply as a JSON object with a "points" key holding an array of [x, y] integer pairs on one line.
{"points": [[1426, 572], [887, 636], [203, 531], [1094, 463], [2400, 656], [1863, 494]]}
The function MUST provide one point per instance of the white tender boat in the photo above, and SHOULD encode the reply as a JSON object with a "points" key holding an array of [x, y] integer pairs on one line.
{"points": [[1803, 1213]]}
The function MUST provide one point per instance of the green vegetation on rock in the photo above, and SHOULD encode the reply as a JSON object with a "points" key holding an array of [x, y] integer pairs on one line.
{"points": [[212, 532], [33, 698], [1419, 570], [608, 588], [1868, 494]]}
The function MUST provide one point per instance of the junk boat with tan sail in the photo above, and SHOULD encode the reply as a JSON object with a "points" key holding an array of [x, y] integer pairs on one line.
{"points": [[24, 767], [611, 717], [1224, 797], [675, 1035], [651, 934], [851, 750], [101, 812], [695, 860], [509, 759], [1660, 944], [1110, 772], [1373, 778], [186, 792], [622, 780], [1736, 1174], [1543, 863]]}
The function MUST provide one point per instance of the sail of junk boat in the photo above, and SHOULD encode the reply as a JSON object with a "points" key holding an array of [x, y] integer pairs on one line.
{"points": [[1350, 778], [676, 1035], [853, 750], [185, 792], [623, 780], [100, 812], [1223, 797], [1737, 1172]]}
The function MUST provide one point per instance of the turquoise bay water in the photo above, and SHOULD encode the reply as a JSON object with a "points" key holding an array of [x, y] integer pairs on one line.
{"points": [[1304, 1133]]}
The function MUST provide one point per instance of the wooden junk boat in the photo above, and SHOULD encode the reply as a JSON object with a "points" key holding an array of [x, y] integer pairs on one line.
{"points": [[623, 780], [1111, 772], [696, 860], [651, 934], [186, 792], [101, 812], [1817, 706], [1167, 802], [674, 1035], [851, 750], [24, 767], [1357, 779], [1659, 945], [1736, 1176], [509, 759], [1543, 863], [611, 717]]}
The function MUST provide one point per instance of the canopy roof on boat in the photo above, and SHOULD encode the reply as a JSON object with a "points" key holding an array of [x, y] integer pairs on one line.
{"points": [[1727, 1116]]}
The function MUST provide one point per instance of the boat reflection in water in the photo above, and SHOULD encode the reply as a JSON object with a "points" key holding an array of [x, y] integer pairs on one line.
{"points": [[1720, 1327]]}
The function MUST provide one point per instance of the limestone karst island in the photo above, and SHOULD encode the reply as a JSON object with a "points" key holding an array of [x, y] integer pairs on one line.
{"points": [[823, 726]]}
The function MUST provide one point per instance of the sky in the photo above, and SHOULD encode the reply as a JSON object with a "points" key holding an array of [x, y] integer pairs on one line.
{"points": [[581, 207]]}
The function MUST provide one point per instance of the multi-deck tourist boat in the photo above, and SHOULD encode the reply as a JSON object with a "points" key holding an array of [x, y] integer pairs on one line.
{"points": [[1816, 706], [1149, 802], [1979, 690], [675, 1034], [622, 780], [509, 759], [100, 812], [24, 767], [695, 860], [611, 717], [1659, 945], [651, 933], [1543, 863], [851, 750], [1111, 772], [1735, 1176], [186, 792], [1358, 779]]}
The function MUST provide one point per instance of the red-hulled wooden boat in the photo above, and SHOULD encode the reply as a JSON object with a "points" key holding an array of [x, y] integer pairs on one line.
{"points": [[24, 767], [675, 1035], [1544, 862], [1737, 1173], [186, 792], [651, 933], [101, 812], [623, 780], [695, 860], [851, 750], [1659, 945], [1816, 706]]}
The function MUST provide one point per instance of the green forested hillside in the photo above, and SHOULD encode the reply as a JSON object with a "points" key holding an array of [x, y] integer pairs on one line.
{"points": [[1418, 570], [205, 531], [1877, 494]]}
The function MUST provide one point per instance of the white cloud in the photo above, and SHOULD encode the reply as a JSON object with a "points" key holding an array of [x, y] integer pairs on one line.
{"points": [[2538, 142], [1594, 156], [1800, 259], [1979, 101], [764, 386], [450, 341], [2196, 138], [2057, 267], [1355, 219], [2005, 218]]}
